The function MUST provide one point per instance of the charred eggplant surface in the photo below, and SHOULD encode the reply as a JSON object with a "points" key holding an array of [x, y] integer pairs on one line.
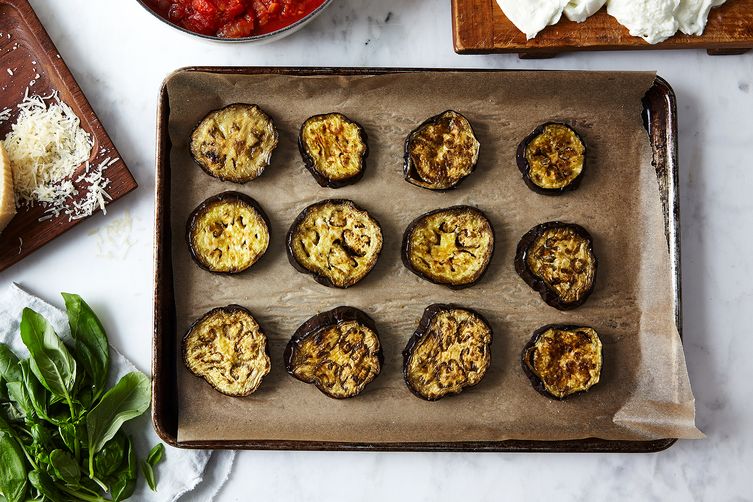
{"points": [[228, 349], [338, 351], [563, 360], [557, 260], [228, 233], [234, 143], [336, 241], [552, 159], [450, 350], [450, 246], [441, 152], [334, 149]]}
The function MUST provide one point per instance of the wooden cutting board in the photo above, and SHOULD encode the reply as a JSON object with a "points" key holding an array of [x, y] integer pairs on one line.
{"points": [[29, 60], [480, 26]]}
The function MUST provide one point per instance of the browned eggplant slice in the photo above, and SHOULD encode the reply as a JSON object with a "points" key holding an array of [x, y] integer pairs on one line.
{"points": [[441, 152], [557, 260], [451, 246], [228, 233], [227, 348], [563, 360], [338, 351], [450, 351], [334, 149], [552, 159], [234, 143], [335, 241]]}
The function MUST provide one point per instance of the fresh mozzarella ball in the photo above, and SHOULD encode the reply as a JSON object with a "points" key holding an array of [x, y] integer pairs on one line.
{"points": [[652, 20], [693, 14], [532, 16], [580, 10]]}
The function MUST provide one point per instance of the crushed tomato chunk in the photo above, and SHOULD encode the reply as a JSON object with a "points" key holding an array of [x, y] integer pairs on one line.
{"points": [[234, 18]]}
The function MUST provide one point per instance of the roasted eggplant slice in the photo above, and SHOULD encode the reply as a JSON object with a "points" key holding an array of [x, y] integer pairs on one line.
{"points": [[338, 351], [450, 350], [552, 159], [557, 260], [336, 241], [234, 143], [450, 246], [334, 149], [228, 233], [563, 360], [228, 349], [441, 152]]}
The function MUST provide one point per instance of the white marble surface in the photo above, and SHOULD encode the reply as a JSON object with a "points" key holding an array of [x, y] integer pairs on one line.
{"points": [[120, 54]]}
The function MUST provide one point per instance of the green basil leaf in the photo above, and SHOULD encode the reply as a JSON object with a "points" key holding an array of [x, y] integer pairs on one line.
{"points": [[128, 399], [149, 475], [18, 395], [37, 394], [91, 345], [65, 467], [51, 362], [68, 435], [9, 369], [132, 471], [156, 454], [45, 485], [13, 484], [40, 434], [123, 488], [107, 461]]}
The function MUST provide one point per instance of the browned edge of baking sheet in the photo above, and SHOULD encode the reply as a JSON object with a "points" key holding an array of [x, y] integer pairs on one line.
{"points": [[25, 234], [480, 27], [661, 123]]}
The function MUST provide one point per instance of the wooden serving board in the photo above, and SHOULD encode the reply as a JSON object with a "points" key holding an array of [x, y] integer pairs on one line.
{"points": [[27, 51], [480, 26]]}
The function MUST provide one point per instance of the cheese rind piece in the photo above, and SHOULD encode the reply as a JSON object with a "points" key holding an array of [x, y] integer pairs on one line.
{"points": [[532, 16], [693, 14], [7, 198], [652, 20], [580, 10]]}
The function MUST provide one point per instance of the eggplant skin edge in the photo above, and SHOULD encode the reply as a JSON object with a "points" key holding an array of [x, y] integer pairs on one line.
{"points": [[409, 169], [537, 383], [405, 246], [308, 160], [539, 285], [324, 320], [423, 329], [321, 279], [232, 106], [224, 197], [230, 309], [524, 168]]}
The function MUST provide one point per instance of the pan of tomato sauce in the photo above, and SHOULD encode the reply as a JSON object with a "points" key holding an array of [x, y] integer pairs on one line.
{"points": [[233, 19]]}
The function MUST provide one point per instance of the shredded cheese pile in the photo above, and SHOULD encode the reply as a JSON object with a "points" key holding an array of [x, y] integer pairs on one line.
{"points": [[4, 115], [46, 146]]}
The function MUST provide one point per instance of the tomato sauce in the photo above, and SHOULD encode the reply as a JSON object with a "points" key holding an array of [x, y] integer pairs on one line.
{"points": [[234, 18]]}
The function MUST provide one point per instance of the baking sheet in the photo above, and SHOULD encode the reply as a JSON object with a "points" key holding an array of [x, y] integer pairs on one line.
{"points": [[644, 393]]}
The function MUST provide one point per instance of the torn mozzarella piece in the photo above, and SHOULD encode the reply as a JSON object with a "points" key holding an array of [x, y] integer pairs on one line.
{"points": [[580, 10], [693, 14], [652, 20], [532, 16]]}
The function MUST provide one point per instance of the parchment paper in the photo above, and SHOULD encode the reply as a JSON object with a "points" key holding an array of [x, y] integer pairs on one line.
{"points": [[644, 392]]}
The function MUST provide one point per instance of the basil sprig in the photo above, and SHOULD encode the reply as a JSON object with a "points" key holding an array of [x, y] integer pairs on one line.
{"points": [[60, 426]]}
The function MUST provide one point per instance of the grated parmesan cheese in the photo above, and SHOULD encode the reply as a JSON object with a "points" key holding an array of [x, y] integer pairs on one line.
{"points": [[4, 115], [46, 145]]}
